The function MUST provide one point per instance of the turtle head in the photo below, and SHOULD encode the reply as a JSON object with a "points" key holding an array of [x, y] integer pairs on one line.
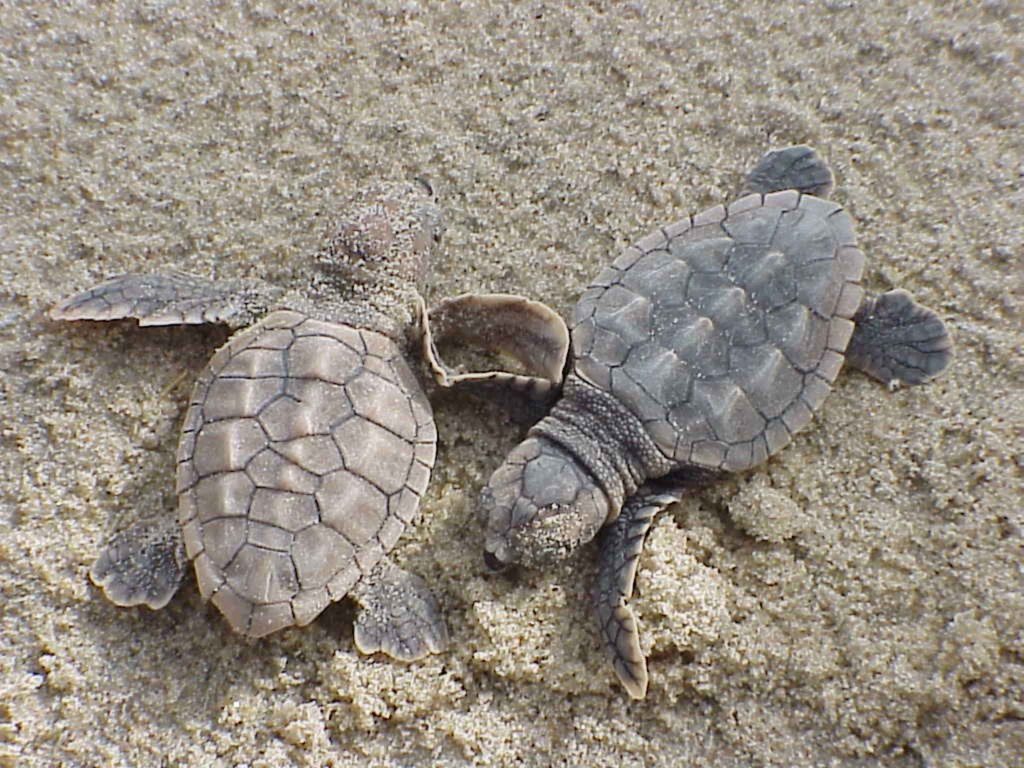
{"points": [[386, 236], [539, 506]]}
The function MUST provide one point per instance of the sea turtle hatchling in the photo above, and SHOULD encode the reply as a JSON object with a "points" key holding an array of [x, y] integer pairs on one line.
{"points": [[701, 350], [308, 441]]}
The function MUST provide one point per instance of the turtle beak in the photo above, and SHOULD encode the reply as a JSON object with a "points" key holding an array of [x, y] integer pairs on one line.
{"points": [[497, 555], [492, 563]]}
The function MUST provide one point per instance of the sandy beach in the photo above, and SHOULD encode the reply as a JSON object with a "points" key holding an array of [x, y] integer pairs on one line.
{"points": [[858, 601]]}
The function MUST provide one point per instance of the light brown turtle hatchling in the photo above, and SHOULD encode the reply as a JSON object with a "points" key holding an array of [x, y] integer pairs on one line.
{"points": [[308, 442]]}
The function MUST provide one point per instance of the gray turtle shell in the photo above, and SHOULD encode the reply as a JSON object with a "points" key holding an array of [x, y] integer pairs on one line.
{"points": [[724, 332], [305, 450]]}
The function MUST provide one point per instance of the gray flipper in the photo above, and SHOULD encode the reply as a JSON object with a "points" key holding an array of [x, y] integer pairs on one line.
{"points": [[173, 298], [895, 339], [143, 564], [529, 332], [797, 168], [620, 545], [398, 615]]}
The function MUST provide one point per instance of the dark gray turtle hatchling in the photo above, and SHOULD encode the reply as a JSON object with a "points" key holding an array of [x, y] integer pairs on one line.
{"points": [[308, 441], [701, 350]]}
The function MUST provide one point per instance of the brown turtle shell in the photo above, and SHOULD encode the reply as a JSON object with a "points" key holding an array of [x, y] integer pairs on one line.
{"points": [[305, 450]]}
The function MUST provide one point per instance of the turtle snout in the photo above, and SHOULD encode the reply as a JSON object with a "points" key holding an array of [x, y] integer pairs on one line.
{"points": [[501, 510], [498, 555], [493, 563]]}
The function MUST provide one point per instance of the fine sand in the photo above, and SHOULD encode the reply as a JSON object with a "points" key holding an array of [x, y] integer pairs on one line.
{"points": [[859, 601]]}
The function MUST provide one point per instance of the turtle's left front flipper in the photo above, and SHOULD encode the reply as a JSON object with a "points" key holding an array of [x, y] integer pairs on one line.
{"points": [[896, 340], [172, 298]]}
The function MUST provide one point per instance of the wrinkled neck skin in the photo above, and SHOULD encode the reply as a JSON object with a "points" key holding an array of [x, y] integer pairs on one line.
{"points": [[371, 272], [606, 438], [567, 479]]}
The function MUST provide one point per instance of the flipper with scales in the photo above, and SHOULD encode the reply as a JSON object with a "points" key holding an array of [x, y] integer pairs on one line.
{"points": [[620, 545], [170, 298], [896, 340], [142, 564], [398, 615]]}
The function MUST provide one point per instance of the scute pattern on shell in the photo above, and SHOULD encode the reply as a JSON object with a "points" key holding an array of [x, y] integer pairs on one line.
{"points": [[305, 451], [724, 332]]}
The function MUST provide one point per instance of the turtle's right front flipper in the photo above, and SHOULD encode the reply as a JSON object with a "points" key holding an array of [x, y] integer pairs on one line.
{"points": [[174, 298], [621, 543]]}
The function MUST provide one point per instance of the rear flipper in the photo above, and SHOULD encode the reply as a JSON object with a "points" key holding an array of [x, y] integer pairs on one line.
{"points": [[797, 168], [173, 298], [620, 545], [896, 340], [143, 564], [399, 615]]}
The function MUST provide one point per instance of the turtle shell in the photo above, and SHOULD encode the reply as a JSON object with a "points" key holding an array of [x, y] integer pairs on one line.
{"points": [[724, 332], [305, 451]]}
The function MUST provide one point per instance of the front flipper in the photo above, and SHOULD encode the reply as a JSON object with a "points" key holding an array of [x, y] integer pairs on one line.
{"points": [[620, 545], [173, 298], [399, 615], [143, 564], [797, 168], [895, 339], [531, 333]]}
